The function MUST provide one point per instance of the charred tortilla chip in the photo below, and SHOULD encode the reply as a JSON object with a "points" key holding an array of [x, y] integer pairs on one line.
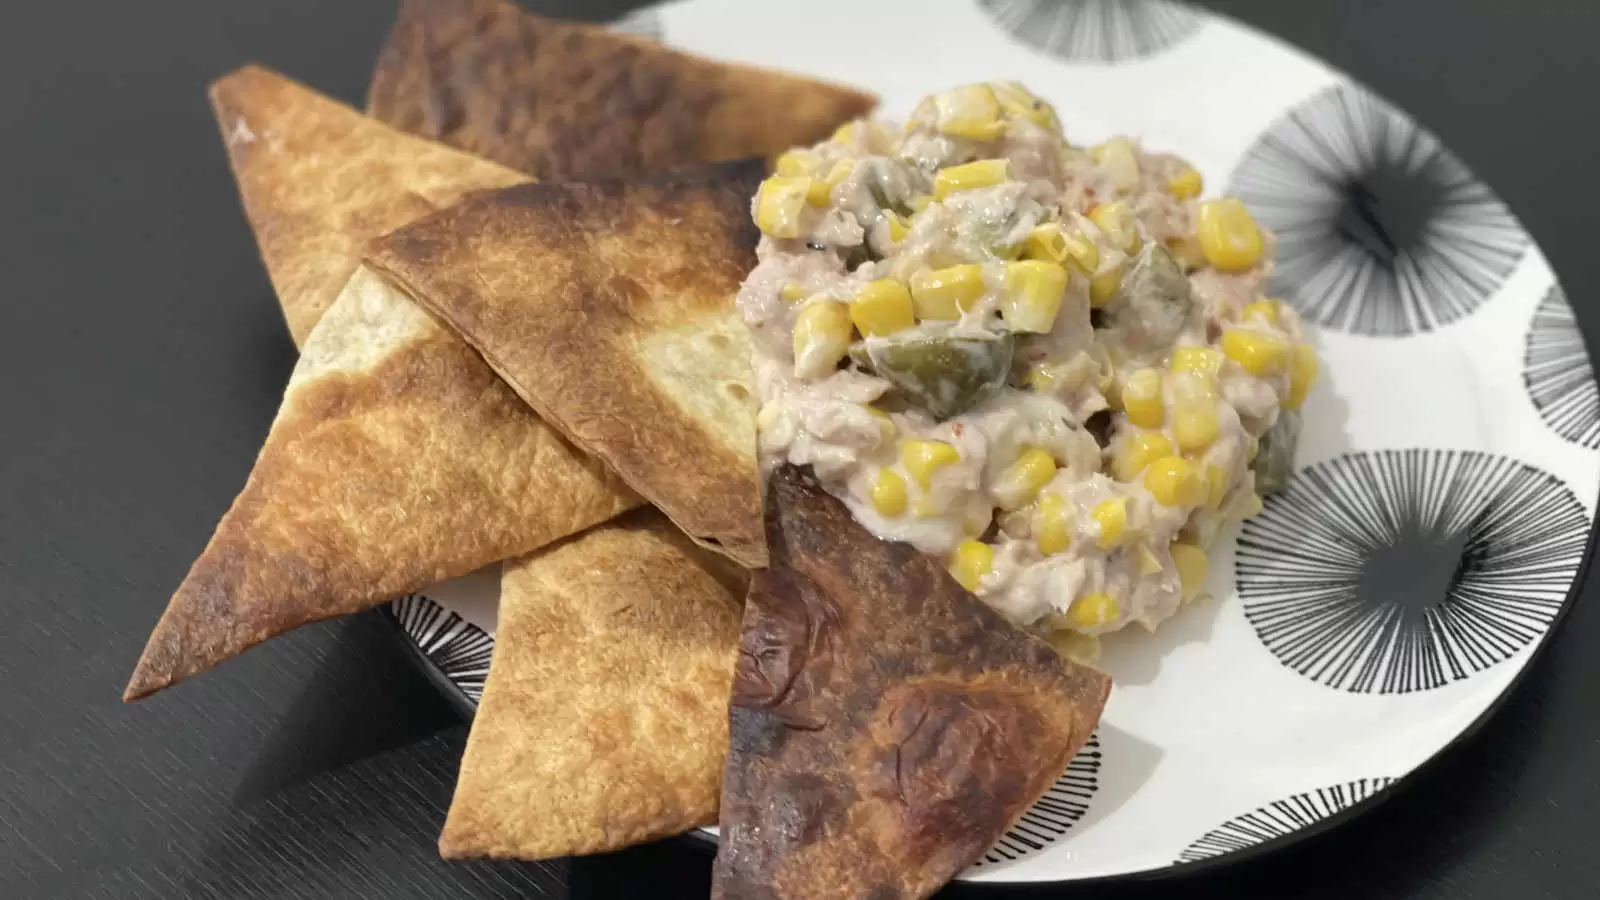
{"points": [[565, 101], [318, 180], [604, 719], [609, 308], [397, 459], [886, 726]]}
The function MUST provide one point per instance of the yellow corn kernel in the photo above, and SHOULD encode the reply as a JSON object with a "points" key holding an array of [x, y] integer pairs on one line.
{"points": [[880, 138], [886, 429], [1043, 377], [1032, 296], [882, 307], [1084, 256], [1258, 352], [792, 292], [844, 134], [1096, 610], [1228, 235], [925, 507], [1149, 562], [779, 202], [797, 162], [1120, 159], [1117, 223], [1083, 649], [821, 337], [1048, 242], [1020, 482], [981, 174], [1206, 360], [1192, 568], [1175, 481], [818, 192], [1104, 287], [1137, 451], [889, 494], [1052, 530], [1264, 311], [918, 203], [972, 111], [923, 458], [1194, 427], [1185, 185], [1142, 400], [1186, 252], [1112, 518], [1018, 102], [1255, 448], [945, 294], [1216, 485], [840, 171], [1303, 368], [971, 561], [898, 226]]}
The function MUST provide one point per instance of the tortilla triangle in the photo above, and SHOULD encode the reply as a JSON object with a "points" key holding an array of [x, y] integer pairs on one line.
{"points": [[397, 460], [609, 308], [886, 726], [604, 719], [319, 179], [561, 100]]}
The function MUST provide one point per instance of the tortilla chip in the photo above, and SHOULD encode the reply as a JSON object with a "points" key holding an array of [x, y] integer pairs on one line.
{"points": [[604, 719], [397, 460], [318, 180], [608, 307], [567, 101], [886, 726]]}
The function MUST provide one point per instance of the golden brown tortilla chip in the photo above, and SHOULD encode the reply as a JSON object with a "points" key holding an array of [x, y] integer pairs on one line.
{"points": [[567, 101], [609, 308], [397, 459], [604, 719], [318, 180], [886, 726]]}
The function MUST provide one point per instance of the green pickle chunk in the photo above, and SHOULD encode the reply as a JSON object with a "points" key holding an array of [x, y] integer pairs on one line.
{"points": [[945, 374]]}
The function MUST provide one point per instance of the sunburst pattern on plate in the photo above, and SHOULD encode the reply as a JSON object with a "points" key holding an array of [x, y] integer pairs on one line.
{"points": [[1103, 31], [1404, 570], [1381, 230], [1559, 375]]}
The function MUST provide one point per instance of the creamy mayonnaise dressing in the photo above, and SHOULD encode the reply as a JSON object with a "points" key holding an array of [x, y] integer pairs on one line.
{"points": [[1052, 366]]}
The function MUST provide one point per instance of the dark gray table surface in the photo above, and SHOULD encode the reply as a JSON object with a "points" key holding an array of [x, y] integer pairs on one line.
{"points": [[142, 357]]}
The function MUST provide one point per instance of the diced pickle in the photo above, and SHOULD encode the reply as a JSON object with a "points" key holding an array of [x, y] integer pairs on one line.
{"points": [[942, 373], [1274, 462], [1153, 303]]}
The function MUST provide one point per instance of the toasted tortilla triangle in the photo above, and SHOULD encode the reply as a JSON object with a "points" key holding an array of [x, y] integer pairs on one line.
{"points": [[565, 101], [609, 308], [397, 460], [886, 726], [604, 719], [319, 179]]}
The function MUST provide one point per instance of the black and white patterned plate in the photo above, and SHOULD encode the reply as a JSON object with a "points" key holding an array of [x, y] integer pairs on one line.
{"points": [[1384, 604]]}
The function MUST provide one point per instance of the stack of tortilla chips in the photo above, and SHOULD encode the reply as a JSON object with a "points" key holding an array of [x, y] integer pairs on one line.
{"points": [[512, 286]]}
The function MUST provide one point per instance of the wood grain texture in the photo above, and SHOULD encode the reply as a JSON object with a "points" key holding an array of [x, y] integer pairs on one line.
{"points": [[142, 356]]}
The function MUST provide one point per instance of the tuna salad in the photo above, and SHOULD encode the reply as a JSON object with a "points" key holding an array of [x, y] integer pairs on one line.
{"points": [[1053, 366]]}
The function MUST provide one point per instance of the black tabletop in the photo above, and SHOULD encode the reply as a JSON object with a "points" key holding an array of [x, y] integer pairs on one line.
{"points": [[142, 357]]}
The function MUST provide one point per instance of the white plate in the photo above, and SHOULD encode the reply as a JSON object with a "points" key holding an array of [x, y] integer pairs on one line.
{"points": [[1378, 609]]}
